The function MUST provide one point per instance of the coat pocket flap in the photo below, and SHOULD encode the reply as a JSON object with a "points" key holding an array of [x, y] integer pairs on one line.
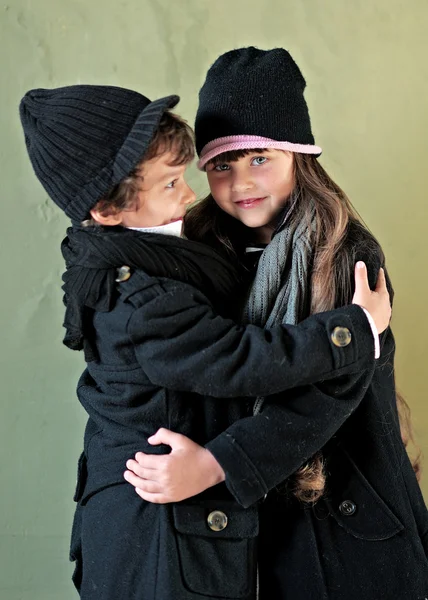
{"points": [[96, 480], [220, 519], [355, 504]]}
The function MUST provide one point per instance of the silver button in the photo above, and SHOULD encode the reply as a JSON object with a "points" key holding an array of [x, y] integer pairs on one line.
{"points": [[123, 274], [217, 520], [341, 336]]}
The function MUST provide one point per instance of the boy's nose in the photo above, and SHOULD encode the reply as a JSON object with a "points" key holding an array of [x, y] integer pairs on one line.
{"points": [[190, 195]]}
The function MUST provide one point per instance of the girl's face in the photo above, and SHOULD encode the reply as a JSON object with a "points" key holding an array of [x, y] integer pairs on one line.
{"points": [[254, 189]]}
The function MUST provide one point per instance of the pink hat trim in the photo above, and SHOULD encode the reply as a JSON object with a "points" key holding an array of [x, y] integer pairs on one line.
{"points": [[245, 142]]}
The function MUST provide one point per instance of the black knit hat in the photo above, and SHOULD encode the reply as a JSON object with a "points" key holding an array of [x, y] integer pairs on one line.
{"points": [[84, 139], [251, 97]]}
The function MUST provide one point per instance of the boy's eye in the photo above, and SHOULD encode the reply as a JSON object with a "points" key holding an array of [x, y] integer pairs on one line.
{"points": [[259, 160], [172, 184], [221, 167]]}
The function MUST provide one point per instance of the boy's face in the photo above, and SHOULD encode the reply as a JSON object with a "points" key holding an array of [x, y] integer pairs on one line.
{"points": [[254, 189], [163, 196]]}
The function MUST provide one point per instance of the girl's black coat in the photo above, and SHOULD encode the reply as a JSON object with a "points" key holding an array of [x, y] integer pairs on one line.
{"points": [[160, 349]]}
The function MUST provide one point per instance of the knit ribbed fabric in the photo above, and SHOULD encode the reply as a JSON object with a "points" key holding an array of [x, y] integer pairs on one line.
{"points": [[279, 292], [281, 287], [82, 140], [253, 92], [93, 255]]}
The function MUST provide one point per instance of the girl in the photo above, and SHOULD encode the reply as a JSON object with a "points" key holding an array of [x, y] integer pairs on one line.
{"points": [[350, 522]]}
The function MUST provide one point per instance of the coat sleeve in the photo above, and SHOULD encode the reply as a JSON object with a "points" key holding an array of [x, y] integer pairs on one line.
{"points": [[184, 346], [258, 453]]}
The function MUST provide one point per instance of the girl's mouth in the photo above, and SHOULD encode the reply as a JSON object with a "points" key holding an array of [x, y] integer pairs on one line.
{"points": [[249, 202]]}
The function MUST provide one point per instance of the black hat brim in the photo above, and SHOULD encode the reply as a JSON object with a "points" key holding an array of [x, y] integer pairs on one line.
{"points": [[138, 140]]}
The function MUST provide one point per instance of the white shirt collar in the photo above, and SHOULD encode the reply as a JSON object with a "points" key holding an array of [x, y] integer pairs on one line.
{"points": [[173, 228]]}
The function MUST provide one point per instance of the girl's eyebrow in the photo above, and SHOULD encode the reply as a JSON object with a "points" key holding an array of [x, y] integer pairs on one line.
{"points": [[215, 161]]}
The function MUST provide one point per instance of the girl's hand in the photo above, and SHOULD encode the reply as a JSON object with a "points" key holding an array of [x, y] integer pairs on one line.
{"points": [[377, 303], [187, 471]]}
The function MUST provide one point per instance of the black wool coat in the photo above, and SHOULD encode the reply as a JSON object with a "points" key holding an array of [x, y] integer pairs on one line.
{"points": [[161, 349], [368, 536]]}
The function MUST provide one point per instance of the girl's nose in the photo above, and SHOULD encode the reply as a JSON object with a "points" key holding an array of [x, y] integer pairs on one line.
{"points": [[241, 182]]}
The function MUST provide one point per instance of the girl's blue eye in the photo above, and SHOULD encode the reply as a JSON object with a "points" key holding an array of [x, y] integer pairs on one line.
{"points": [[223, 167], [172, 184], [259, 160]]}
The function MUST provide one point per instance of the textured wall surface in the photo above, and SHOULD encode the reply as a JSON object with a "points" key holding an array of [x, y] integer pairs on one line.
{"points": [[365, 63]]}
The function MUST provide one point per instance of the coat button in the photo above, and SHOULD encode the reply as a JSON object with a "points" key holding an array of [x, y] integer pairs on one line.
{"points": [[123, 274], [347, 508], [341, 336], [217, 520]]}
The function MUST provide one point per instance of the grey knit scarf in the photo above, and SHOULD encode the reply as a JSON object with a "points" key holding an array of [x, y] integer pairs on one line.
{"points": [[279, 293]]}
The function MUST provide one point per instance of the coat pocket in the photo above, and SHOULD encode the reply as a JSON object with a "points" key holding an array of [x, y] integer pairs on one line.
{"points": [[354, 503], [217, 548]]}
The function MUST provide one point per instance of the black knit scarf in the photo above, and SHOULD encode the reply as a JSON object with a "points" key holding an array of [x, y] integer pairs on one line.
{"points": [[93, 255]]}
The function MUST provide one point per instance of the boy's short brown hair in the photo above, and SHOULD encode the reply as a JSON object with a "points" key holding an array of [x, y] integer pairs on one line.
{"points": [[173, 135]]}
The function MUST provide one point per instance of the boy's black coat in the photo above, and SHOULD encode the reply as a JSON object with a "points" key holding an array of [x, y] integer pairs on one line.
{"points": [[159, 347]]}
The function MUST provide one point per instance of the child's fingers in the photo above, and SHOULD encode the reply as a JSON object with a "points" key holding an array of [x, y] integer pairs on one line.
{"points": [[142, 484], [134, 467], [166, 436], [153, 498], [361, 279], [133, 479], [381, 283], [150, 461]]}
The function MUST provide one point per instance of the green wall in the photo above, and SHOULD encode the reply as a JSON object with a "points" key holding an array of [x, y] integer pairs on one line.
{"points": [[368, 86]]}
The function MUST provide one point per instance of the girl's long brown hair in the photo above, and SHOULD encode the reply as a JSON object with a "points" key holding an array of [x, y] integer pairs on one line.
{"points": [[333, 261]]}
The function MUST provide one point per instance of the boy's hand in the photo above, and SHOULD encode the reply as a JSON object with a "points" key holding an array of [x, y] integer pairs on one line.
{"points": [[187, 471], [377, 303]]}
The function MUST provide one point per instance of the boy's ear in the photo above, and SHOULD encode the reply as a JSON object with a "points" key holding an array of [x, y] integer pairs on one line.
{"points": [[112, 219]]}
